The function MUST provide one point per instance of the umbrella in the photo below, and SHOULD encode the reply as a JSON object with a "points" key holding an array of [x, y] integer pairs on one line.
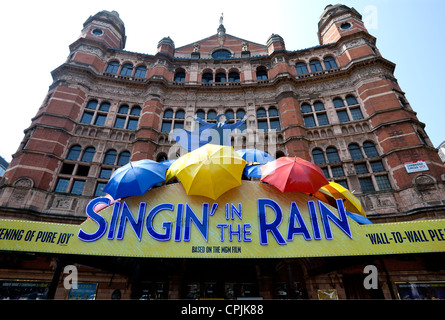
{"points": [[351, 202], [293, 174], [135, 178], [358, 218], [176, 166], [255, 155], [210, 170], [253, 171]]}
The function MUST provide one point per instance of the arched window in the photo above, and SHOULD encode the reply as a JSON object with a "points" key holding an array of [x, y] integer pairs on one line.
{"points": [[329, 63], [88, 154], [207, 77], [74, 153], [316, 116], [168, 114], [124, 158], [318, 156], [332, 154], [268, 120], [239, 115], [370, 149], [355, 152], [211, 115], [112, 67], [306, 108], [201, 114], [135, 111], [140, 72], [221, 54], [351, 100], [123, 109], [180, 76], [94, 115], [110, 157], [338, 103], [234, 76], [220, 77], [127, 70], [315, 65], [301, 68], [261, 73]]}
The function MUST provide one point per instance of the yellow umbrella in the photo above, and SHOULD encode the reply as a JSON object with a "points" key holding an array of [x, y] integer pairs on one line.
{"points": [[337, 191], [210, 171], [176, 166]]}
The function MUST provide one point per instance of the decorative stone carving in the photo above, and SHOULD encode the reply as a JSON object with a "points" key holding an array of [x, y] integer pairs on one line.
{"points": [[24, 182]]}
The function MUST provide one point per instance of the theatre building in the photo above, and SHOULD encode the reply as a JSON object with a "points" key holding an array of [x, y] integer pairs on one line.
{"points": [[336, 104]]}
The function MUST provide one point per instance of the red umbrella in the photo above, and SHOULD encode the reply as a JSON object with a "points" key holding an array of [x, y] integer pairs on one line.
{"points": [[293, 174]]}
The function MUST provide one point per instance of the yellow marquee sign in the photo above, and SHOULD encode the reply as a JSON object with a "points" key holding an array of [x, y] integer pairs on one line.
{"points": [[254, 220]]}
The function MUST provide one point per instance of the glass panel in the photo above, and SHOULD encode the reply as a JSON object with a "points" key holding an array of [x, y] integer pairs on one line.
{"points": [[105, 173], [306, 108], [315, 66], [261, 113], [110, 157], [100, 120], [99, 189], [356, 113], [87, 118], [62, 185], [370, 149], [120, 123], [124, 158], [78, 186], [166, 126], [104, 106], [338, 103], [262, 125], [132, 124], [88, 154], [322, 119], [112, 67], [92, 104], [337, 171], [273, 112], [123, 109], [377, 166], [221, 54], [127, 69], [329, 63], [366, 185], [140, 72], [74, 153], [180, 114], [168, 114], [332, 154], [275, 124], [318, 156], [361, 168], [383, 183], [135, 111], [351, 100], [343, 116], [301, 68], [309, 121], [355, 152]]}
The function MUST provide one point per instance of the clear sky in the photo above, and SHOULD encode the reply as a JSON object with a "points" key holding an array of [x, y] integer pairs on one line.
{"points": [[36, 35]]}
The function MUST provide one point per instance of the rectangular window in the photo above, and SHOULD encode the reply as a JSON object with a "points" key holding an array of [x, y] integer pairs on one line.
{"points": [[383, 183], [262, 125], [356, 113], [342, 116], [120, 123], [343, 183], [322, 119], [377, 166], [100, 120], [78, 187], [62, 185], [309, 121], [179, 125], [105, 173], [87, 117], [361, 168], [99, 189], [166, 126], [67, 168], [366, 184], [132, 124], [325, 172], [337, 171], [275, 124]]}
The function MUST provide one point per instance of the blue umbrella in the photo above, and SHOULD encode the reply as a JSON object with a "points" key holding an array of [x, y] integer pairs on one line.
{"points": [[168, 163], [135, 178], [255, 155], [358, 218], [253, 171]]}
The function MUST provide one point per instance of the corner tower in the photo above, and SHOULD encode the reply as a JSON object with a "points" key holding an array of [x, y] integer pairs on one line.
{"points": [[338, 21]]}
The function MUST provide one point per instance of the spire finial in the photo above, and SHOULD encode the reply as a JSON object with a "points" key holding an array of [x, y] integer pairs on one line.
{"points": [[221, 19]]}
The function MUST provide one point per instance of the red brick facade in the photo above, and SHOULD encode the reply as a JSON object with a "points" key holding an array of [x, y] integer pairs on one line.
{"points": [[332, 100]]}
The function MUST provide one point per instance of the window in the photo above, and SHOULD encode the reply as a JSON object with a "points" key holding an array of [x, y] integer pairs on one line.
{"points": [[140, 72], [74, 153], [332, 154], [314, 116], [127, 70], [329, 63], [94, 113], [268, 120], [220, 77], [370, 149], [361, 168], [318, 156], [62, 185], [127, 120], [88, 154], [366, 184], [261, 73], [355, 152], [234, 77], [207, 77], [124, 158], [346, 113], [221, 54], [337, 171], [179, 76], [112, 67], [301, 68], [315, 65], [172, 120], [383, 183], [110, 157]]}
